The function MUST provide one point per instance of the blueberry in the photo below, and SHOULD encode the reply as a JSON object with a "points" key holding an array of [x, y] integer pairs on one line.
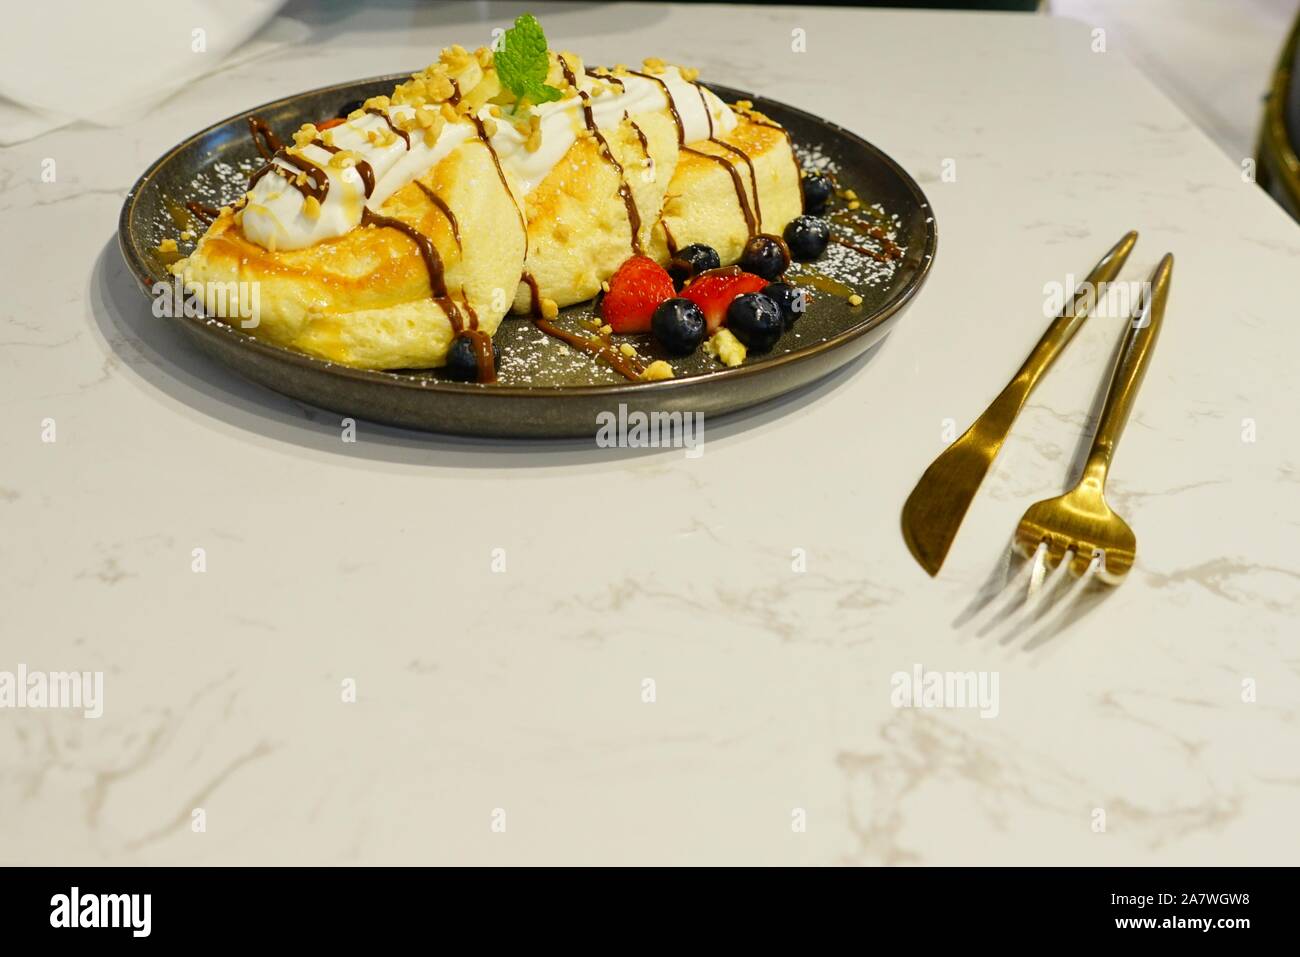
{"points": [[755, 320], [817, 190], [807, 237], [679, 325], [462, 360], [350, 107], [691, 261], [765, 256], [791, 301]]}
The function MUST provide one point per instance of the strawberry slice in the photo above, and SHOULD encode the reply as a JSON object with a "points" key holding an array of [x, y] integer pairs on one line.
{"points": [[635, 291], [713, 291]]}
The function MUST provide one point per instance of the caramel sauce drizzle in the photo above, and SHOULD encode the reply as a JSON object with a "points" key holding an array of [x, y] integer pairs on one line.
{"points": [[889, 250], [203, 212], [444, 209], [633, 214]]}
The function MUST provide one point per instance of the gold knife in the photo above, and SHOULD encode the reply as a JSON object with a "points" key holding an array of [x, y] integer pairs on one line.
{"points": [[934, 510]]}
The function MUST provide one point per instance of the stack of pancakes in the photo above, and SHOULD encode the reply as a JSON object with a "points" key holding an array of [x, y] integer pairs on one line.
{"points": [[368, 297]]}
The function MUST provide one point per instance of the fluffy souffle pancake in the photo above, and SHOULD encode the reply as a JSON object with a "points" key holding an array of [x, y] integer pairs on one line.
{"points": [[364, 298], [703, 203], [487, 181]]}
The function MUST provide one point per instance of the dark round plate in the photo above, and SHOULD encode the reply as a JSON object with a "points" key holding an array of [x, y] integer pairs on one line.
{"points": [[546, 388]]}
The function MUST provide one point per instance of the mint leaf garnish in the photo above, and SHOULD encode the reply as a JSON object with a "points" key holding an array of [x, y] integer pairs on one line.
{"points": [[522, 63]]}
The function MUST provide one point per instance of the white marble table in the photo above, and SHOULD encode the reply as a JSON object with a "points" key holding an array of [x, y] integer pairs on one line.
{"points": [[522, 690]]}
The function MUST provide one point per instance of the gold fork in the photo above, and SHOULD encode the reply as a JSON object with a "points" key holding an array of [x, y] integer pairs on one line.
{"points": [[933, 512], [1080, 521]]}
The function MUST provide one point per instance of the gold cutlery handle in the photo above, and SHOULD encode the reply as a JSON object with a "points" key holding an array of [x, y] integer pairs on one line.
{"points": [[934, 510], [1007, 405], [1130, 368]]}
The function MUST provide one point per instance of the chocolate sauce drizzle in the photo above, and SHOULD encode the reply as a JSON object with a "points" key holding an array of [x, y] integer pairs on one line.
{"points": [[593, 345], [794, 157], [597, 346], [607, 77], [397, 131], [444, 209], [318, 185], [668, 238], [534, 294], [363, 168], [752, 223], [633, 214], [741, 197], [481, 341], [672, 106], [264, 137], [753, 176], [501, 175], [432, 261], [704, 101]]}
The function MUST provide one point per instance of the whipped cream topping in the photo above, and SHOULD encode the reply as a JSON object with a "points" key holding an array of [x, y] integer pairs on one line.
{"points": [[276, 214]]}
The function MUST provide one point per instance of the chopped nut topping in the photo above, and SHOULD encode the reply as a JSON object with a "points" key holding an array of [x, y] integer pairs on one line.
{"points": [[689, 74], [726, 348], [653, 64], [855, 205], [167, 246], [627, 350], [343, 159], [657, 370], [490, 126], [305, 134], [456, 57], [311, 207], [550, 309], [855, 300], [534, 141], [606, 330]]}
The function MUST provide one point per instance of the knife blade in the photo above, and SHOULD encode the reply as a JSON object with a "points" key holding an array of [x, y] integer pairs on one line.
{"points": [[935, 509]]}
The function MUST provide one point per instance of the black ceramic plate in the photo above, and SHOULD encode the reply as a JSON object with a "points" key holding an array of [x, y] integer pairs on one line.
{"points": [[546, 388]]}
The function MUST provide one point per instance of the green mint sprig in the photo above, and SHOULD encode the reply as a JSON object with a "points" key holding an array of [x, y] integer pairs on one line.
{"points": [[522, 63]]}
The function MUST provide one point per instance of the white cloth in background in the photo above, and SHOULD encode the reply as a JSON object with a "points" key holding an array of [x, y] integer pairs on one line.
{"points": [[108, 63]]}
